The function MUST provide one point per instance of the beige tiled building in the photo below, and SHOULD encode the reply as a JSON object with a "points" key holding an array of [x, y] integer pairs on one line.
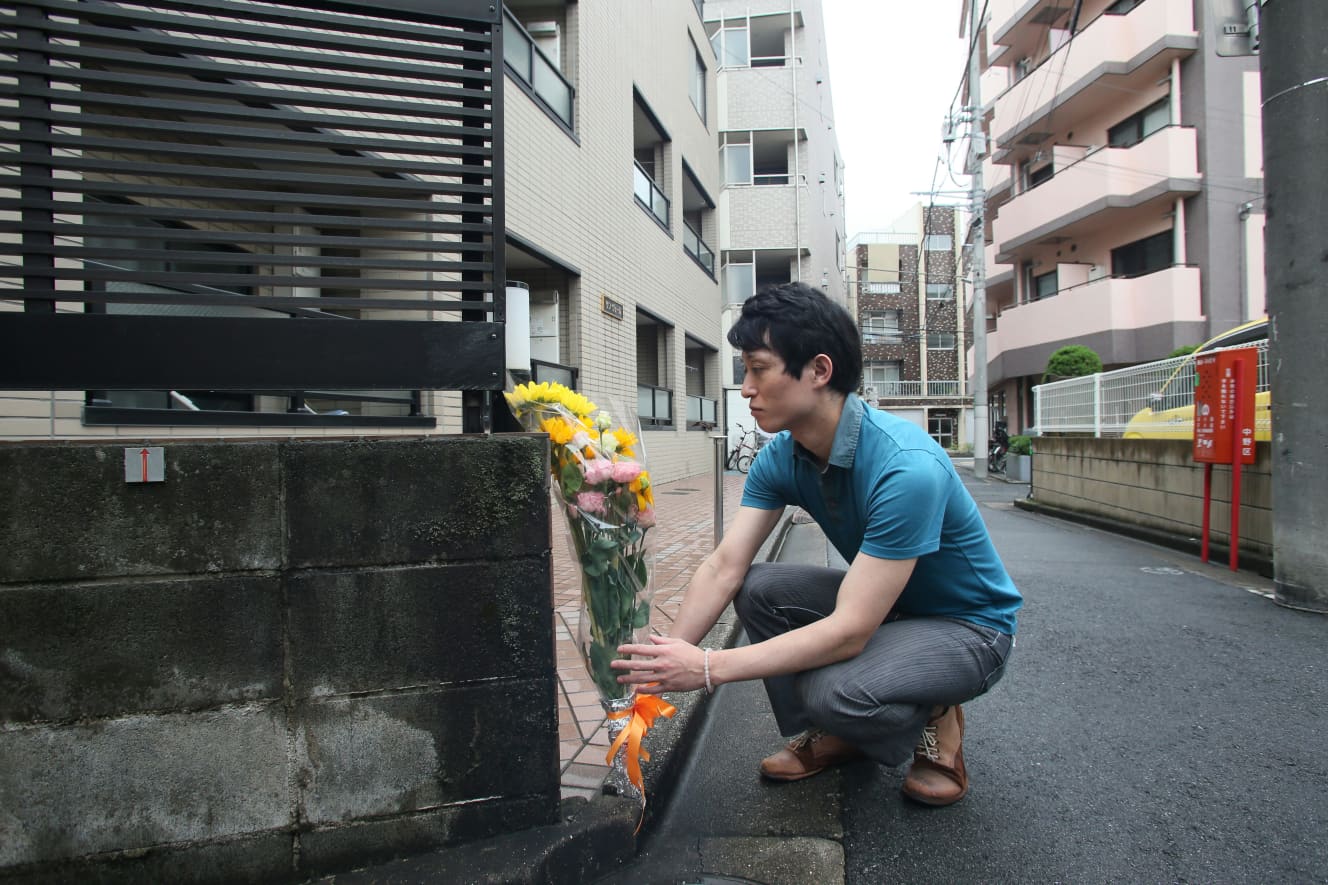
{"points": [[611, 213], [781, 209], [1124, 184]]}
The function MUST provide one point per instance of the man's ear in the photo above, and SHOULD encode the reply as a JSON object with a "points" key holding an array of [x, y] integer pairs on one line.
{"points": [[822, 368]]}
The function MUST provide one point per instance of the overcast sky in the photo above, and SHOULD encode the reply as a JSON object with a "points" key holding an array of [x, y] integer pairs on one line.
{"points": [[894, 67]]}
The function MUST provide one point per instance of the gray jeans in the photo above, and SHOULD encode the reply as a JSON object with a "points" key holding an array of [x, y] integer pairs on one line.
{"points": [[879, 700]]}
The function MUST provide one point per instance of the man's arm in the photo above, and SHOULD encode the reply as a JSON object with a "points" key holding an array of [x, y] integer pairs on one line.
{"points": [[717, 580], [868, 592]]}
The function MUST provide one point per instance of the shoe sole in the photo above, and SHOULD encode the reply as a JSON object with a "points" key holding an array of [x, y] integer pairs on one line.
{"points": [[790, 778], [931, 801]]}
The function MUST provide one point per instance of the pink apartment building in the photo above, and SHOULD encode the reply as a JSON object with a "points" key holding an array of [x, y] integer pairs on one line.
{"points": [[1124, 183]]}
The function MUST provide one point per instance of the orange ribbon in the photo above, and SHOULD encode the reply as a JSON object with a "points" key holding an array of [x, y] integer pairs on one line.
{"points": [[644, 711]]}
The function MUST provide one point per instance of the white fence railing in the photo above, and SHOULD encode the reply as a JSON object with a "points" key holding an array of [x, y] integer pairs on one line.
{"points": [[1103, 404], [915, 388]]}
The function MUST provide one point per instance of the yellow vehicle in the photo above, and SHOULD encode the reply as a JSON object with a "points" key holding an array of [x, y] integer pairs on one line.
{"points": [[1170, 411]]}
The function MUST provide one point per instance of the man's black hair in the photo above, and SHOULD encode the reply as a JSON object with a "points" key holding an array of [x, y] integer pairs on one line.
{"points": [[798, 322]]}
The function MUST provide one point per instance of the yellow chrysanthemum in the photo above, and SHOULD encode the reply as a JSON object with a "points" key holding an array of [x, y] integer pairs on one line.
{"points": [[558, 430], [553, 393], [626, 439], [641, 486]]}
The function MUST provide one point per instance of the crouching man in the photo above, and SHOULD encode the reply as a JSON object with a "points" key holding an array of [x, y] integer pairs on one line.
{"points": [[870, 662]]}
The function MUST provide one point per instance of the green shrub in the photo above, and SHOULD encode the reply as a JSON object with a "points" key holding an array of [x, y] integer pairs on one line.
{"points": [[1183, 351], [1072, 361], [1021, 445]]}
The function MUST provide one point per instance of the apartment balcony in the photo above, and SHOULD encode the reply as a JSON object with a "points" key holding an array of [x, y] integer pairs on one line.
{"points": [[1114, 57], [1000, 279], [1016, 25], [919, 389], [1095, 188], [761, 217], [759, 97], [996, 177], [1123, 319]]}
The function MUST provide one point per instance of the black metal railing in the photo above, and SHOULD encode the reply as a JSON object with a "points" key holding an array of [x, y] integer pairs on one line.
{"points": [[535, 71], [654, 406], [697, 248]]}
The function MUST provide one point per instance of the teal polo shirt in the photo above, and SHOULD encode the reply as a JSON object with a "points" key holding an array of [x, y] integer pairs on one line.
{"points": [[890, 491]]}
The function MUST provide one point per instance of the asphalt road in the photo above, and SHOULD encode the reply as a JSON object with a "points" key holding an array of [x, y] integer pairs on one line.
{"points": [[1161, 721]]}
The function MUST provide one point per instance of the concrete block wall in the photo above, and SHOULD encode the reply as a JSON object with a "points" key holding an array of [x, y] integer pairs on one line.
{"points": [[1155, 484], [287, 658]]}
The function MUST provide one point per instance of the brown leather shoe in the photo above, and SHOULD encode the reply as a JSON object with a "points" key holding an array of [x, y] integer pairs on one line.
{"points": [[938, 776], [807, 754]]}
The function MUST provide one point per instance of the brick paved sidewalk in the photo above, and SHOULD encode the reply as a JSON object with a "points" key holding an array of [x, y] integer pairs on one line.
{"points": [[682, 539]]}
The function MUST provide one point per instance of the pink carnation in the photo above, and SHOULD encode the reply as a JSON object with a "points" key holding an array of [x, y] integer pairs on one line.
{"points": [[646, 518], [598, 470], [590, 502], [626, 471]]}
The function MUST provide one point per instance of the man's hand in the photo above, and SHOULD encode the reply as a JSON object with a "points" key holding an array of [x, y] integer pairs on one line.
{"points": [[665, 664]]}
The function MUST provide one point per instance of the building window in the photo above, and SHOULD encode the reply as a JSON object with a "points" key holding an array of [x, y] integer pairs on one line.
{"points": [[531, 57], [701, 362], [756, 158], [698, 83], [654, 398], [880, 327], [1039, 286], [941, 429], [736, 157], [1144, 256], [1031, 176], [697, 210], [731, 46], [739, 278], [940, 340], [1137, 127], [940, 291], [649, 154], [882, 378], [938, 242], [882, 289]]}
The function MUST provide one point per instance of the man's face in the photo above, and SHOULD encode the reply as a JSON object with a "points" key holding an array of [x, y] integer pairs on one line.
{"points": [[778, 400]]}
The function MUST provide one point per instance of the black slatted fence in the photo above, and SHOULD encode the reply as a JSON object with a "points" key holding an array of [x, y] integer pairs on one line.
{"points": [[181, 174]]}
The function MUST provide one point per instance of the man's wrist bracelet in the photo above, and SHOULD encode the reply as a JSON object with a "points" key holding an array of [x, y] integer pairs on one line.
{"points": [[710, 689]]}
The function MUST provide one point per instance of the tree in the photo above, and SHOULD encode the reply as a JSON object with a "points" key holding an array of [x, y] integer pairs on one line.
{"points": [[1072, 361]]}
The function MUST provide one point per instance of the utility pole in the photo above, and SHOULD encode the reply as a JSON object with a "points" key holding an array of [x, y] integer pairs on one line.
{"points": [[1294, 78], [978, 262]]}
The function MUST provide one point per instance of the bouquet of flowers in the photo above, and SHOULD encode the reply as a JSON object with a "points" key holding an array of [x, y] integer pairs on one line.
{"points": [[604, 491]]}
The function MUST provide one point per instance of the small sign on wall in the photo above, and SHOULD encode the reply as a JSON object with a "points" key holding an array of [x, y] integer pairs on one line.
{"points": [[611, 307], [145, 464]]}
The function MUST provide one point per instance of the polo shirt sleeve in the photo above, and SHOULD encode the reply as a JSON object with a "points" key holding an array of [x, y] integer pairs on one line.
{"points": [[906, 507], [765, 485]]}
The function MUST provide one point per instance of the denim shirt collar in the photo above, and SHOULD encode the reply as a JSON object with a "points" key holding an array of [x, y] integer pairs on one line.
{"points": [[845, 445]]}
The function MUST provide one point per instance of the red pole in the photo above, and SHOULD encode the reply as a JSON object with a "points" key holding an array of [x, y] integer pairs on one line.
{"points": [[1239, 417], [1208, 498]]}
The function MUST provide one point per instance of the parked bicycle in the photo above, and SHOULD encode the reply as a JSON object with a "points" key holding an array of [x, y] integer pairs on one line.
{"points": [[998, 449], [740, 459]]}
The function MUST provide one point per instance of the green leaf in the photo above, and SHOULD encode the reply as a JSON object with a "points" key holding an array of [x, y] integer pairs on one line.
{"points": [[642, 616], [571, 479]]}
